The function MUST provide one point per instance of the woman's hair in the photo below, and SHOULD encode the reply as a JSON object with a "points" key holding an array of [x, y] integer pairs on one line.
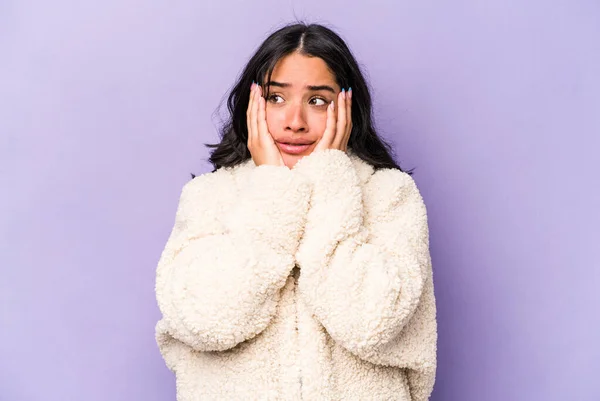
{"points": [[311, 40]]}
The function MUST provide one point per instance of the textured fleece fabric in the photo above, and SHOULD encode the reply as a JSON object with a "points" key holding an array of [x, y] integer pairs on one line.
{"points": [[310, 283]]}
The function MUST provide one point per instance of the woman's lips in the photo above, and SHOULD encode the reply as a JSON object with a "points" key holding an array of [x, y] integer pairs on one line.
{"points": [[293, 149]]}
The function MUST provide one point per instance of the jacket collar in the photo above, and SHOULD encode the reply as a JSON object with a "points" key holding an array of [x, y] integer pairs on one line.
{"points": [[363, 169]]}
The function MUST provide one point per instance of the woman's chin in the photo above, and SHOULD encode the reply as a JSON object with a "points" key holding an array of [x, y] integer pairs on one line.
{"points": [[291, 160]]}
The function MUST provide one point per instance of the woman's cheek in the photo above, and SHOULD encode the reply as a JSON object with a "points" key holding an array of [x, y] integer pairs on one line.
{"points": [[318, 124], [269, 118], [273, 118]]}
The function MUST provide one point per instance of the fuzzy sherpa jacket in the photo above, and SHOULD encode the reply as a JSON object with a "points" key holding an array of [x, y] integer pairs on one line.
{"points": [[310, 283]]}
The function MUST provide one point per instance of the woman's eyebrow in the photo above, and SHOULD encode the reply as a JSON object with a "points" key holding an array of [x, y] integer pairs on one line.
{"points": [[310, 87]]}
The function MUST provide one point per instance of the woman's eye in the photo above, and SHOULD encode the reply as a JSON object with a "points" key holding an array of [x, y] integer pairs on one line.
{"points": [[318, 99], [273, 98]]}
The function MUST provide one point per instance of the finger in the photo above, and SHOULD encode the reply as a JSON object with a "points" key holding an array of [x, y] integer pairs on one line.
{"points": [[260, 133], [249, 115], [262, 120], [254, 114], [348, 116], [329, 133], [341, 121]]}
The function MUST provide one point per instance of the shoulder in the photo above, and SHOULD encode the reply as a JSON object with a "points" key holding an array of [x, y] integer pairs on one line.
{"points": [[221, 181], [207, 181], [392, 181], [209, 196], [381, 180], [388, 189], [209, 192]]}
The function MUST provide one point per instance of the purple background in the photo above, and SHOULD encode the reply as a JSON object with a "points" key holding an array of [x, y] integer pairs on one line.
{"points": [[104, 107]]}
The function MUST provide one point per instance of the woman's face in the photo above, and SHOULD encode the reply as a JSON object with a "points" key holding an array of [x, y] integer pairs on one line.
{"points": [[301, 88]]}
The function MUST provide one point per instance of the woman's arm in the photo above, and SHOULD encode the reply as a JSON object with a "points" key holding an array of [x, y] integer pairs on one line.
{"points": [[229, 253], [366, 268]]}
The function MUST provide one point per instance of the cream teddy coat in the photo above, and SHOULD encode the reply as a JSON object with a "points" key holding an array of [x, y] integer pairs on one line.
{"points": [[310, 283]]}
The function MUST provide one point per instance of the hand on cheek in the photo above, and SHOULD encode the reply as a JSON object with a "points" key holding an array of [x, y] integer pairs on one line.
{"points": [[260, 142], [339, 124]]}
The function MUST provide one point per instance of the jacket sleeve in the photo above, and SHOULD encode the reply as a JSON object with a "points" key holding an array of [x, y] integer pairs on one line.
{"points": [[366, 268], [228, 254]]}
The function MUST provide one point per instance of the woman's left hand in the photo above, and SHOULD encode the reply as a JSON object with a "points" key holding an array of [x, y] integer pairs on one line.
{"points": [[338, 128]]}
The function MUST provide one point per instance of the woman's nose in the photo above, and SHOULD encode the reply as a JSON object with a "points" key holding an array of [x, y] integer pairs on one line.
{"points": [[295, 119]]}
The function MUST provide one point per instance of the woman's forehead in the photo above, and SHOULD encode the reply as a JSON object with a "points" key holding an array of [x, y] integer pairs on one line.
{"points": [[298, 71]]}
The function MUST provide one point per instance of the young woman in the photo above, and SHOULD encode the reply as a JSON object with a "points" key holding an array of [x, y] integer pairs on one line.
{"points": [[300, 267]]}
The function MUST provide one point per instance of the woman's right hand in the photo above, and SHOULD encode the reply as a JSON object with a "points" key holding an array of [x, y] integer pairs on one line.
{"points": [[260, 142]]}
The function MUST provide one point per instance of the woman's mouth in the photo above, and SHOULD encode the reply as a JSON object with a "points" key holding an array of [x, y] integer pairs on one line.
{"points": [[293, 148]]}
